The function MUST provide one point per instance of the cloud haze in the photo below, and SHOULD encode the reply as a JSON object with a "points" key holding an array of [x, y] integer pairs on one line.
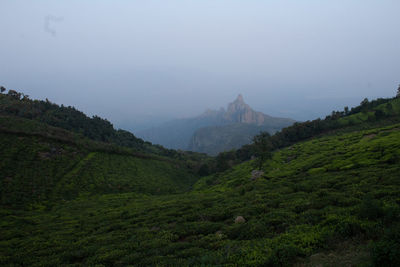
{"points": [[138, 60], [48, 20]]}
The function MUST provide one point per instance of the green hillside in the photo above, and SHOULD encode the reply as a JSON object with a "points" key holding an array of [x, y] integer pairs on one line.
{"points": [[17, 104], [331, 200], [42, 164]]}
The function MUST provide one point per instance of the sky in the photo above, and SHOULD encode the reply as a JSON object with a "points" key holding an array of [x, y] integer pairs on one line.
{"points": [[142, 62]]}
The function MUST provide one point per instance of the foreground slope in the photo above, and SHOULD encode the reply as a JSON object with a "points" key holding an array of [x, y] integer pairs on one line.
{"points": [[314, 197]]}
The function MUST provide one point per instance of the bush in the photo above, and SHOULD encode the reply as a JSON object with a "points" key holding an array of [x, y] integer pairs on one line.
{"points": [[370, 209], [386, 252], [284, 255]]}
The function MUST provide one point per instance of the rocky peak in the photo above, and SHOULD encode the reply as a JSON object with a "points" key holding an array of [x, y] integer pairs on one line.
{"points": [[239, 99], [239, 111], [238, 105]]}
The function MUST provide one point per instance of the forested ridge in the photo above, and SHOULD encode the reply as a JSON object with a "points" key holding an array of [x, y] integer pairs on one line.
{"points": [[67, 117]]}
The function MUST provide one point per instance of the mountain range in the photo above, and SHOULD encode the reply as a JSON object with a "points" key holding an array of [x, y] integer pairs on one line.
{"points": [[215, 131]]}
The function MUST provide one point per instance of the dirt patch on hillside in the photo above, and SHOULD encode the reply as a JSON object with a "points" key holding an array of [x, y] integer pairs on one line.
{"points": [[369, 136]]}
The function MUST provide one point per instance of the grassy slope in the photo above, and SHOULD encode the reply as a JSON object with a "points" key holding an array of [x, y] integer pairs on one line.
{"points": [[314, 195], [41, 164], [362, 117]]}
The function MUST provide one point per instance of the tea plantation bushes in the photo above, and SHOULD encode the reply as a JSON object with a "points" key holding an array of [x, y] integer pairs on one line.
{"points": [[313, 197]]}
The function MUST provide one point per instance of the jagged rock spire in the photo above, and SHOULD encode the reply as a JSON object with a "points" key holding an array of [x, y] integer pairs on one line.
{"points": [[239, 98], [237, 105]]}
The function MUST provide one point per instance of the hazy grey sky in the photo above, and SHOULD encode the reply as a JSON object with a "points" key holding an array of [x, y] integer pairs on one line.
{"points": [[126, 60]]}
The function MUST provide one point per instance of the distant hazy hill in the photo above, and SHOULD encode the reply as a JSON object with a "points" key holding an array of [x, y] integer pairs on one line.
{"points": [[176, 134], [215, 130]]}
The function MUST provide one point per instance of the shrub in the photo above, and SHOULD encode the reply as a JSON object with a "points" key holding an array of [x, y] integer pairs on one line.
{"points": [[370, 209], [284, 255], [386, 252]]}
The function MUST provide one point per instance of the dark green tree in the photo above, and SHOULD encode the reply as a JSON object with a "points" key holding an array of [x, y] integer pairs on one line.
{"points": [[364, 105], [398, 92], [14, 94], [204, 170], [2, 89], [262, 148], [364, 102], [389, 107], [225, 160], [379, 114]]}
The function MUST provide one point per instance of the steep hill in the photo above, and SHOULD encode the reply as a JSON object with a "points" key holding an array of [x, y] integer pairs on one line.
{"points": [[182, 134]]}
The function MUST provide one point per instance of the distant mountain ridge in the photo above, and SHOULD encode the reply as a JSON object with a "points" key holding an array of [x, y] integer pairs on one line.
{"points": [[182, 133]]}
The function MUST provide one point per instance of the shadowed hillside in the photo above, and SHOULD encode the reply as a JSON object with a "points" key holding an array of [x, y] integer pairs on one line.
{"points": [[45, 164], [13, 103]]}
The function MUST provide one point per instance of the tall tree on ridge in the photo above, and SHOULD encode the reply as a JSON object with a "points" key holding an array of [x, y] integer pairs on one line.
{"points": [[263, 147]]}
